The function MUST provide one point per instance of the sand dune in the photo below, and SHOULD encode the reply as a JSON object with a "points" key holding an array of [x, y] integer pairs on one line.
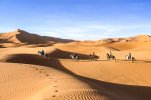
{"points": [[91, 82], [26, 76], [31, 82], [139, 38], [23, 37]]}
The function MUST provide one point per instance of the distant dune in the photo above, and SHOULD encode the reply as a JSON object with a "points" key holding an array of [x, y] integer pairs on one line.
{"points": [[139, 38], [21, 36]]}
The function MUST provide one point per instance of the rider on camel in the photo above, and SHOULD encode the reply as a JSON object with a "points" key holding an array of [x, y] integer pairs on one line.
{"points": [[93, 54], [111, 54], [42, 52], [130, 55], [75, 54]]}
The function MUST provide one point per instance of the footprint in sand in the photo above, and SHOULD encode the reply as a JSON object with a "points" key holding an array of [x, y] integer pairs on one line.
{"points": [[40, 71], [36, 68], [56, 90], [47, 75], [53, 95]]}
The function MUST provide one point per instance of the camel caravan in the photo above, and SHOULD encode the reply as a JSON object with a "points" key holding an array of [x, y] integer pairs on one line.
{"points": [[109, 56], [92, 57]]}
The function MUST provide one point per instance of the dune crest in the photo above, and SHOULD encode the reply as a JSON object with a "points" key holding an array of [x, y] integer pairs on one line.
{"points": [[138, 38], [23, 37]]}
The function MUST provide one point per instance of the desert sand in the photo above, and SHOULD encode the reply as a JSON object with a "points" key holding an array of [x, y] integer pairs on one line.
{"points": [[24, 75]]}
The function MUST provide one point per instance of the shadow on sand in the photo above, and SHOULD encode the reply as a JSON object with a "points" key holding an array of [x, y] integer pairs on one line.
{"points": [[60, 54], [110, 90], [1, 46]]}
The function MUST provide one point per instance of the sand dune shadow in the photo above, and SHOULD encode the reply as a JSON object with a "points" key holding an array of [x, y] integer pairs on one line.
{"points": [[110, 90]]}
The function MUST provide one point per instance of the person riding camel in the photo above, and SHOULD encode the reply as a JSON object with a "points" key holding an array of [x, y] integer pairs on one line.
{"points": [[75, 54], [42, 52], [111, 54], [93, 54], [129, 55]]}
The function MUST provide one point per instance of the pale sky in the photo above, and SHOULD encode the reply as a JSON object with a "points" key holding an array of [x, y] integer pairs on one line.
{"points": [[77, 19]]}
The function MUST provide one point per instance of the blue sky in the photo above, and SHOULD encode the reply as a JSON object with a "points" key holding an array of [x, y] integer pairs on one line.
{"points": [[77, 19]]}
